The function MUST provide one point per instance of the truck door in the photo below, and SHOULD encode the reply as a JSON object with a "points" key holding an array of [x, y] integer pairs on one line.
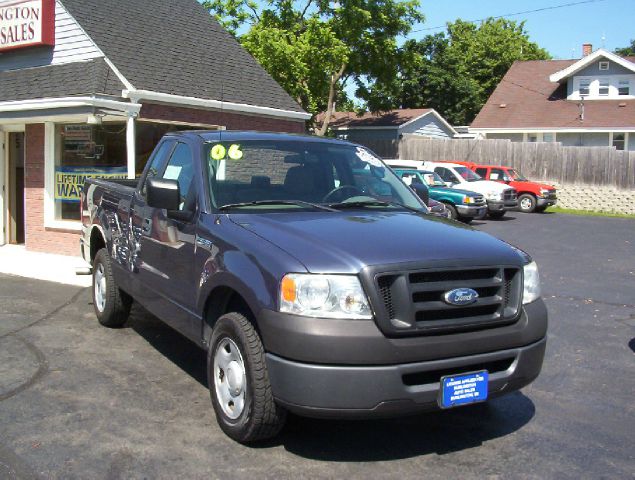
{"points": [[166, 267]]}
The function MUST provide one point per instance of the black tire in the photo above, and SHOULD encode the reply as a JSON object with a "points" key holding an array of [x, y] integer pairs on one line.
{"points": [[114, 309], [454, 215], [466, 220], [261, 417], [497, 215], [527, 203]]}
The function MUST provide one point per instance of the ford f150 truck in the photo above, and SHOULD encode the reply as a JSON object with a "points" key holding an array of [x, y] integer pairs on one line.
{"points": [[315, 279], [532, 196], [463, 205]]}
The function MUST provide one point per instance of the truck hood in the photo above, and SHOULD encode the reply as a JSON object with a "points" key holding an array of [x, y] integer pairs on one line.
{"points": [[533, 185], [457, 191], [346, 242], [483, 186]]}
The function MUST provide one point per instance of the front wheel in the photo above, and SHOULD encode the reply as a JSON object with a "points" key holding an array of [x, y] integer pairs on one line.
{"points": [[112, 306], [497, 215], [526, 203], [453, 214], [239, 383]]}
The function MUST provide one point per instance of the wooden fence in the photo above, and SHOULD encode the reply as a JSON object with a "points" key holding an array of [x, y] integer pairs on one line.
{"points": [[540, 161]]}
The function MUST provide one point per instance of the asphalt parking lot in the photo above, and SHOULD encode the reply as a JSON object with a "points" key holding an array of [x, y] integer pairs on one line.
{"points": [[81, 401]]}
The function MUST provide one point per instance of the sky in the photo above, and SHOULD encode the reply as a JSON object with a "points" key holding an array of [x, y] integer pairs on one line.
{"points": [[603, 23]]}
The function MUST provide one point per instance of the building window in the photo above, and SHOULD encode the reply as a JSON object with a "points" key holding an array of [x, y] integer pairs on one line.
{"points": [[585, 85], [532, 137], [619, 140], [604, 66], [624, 87], [604, 87], [83, 151], [548, 137]]}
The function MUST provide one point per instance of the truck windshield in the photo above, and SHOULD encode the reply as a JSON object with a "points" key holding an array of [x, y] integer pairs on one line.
{"points": [[280, 175], [516, 175], [467, 174]]}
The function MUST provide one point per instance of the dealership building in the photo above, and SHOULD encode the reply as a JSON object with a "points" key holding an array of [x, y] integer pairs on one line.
{"points": [[88, 87]]}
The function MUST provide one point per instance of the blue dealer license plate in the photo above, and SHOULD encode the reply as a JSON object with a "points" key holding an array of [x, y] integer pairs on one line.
{"points": [[463, 389]]}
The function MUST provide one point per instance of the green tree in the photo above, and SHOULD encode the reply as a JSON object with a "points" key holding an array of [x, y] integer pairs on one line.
{"points": [[627, 51], [456, 71], [315, 47]]}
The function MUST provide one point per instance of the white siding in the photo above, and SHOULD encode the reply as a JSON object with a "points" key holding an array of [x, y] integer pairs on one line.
{"points": [[72, 44], [430, 126]]}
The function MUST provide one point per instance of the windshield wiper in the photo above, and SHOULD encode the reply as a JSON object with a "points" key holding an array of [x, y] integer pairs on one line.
{"points": [[373, 203], [277, 202]]}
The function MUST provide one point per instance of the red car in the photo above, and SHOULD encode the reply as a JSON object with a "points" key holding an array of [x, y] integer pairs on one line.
{"points": [[532, 196]]}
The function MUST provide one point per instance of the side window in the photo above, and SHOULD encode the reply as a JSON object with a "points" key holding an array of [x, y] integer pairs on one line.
{"points": [[157, 162], [181, 168], [482, 172], [445, 174], [498, 174]]}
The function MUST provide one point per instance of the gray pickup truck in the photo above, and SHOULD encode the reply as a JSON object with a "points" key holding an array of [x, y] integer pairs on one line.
{"points": [[317, 282]]}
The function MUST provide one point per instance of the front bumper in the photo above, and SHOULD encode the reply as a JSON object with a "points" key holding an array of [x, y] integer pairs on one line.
{"points": [[499, 206], [546, 202], [471, 211], [393, 390]]}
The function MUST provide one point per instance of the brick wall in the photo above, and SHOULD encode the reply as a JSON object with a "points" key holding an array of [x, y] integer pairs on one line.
{"points": [[38, 238], [232, 121]]}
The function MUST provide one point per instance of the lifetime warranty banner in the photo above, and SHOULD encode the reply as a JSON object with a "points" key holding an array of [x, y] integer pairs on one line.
{"points": [[69, 181]]}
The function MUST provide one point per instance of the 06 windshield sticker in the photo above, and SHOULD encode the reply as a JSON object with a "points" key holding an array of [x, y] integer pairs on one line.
{"points": [[367, 157], [219, 152]]}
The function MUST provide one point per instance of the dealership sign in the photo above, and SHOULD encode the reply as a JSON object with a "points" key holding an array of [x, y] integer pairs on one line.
{"points": [[27, 23]]}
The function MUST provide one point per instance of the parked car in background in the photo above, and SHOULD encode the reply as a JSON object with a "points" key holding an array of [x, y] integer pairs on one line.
{"points": [[532, 196], [499, 198], [463, 205], [438, 209]]}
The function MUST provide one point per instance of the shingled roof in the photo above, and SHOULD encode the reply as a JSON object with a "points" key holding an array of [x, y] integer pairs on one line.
{"points": [[526, 99], [70, 79], [176, 47], [392, 118]]}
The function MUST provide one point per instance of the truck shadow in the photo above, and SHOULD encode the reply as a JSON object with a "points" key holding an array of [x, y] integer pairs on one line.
{"points": [[438, 433], [359, 440]]}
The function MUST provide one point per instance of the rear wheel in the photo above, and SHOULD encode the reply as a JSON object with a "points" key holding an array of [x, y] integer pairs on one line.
{"points": [[527, 203], [112, 306], [239, 383], [497, 215]]}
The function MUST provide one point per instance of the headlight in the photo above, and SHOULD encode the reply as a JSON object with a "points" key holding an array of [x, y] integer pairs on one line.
{"points": [[496, 196], [543, 192], [469, 200], [326, 296], [531, 291]]}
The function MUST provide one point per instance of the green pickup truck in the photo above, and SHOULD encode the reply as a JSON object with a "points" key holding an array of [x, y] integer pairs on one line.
{"points": [[463, 205]]}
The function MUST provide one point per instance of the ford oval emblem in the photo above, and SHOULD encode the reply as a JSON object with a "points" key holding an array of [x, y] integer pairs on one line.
{"points": [[461, 296]]}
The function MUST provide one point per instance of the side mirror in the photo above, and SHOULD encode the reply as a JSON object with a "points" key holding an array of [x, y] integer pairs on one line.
{"points": [[163, 194]]}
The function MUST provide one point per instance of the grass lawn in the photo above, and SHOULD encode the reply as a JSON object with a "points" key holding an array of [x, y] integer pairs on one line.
{"points": [[588, 213]]}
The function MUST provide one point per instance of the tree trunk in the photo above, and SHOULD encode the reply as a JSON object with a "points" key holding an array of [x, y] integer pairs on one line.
{"points": [[330, 106]]}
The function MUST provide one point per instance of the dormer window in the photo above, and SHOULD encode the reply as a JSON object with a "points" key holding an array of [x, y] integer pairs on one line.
{"points": [[585, 85], [604, 66], [604, 87]]}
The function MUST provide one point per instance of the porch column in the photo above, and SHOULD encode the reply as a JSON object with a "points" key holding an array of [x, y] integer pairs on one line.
{"points": [[131, 145]]}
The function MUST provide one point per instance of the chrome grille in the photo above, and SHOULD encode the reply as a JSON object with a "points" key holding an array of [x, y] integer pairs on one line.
{"points": [[413, 302], [510, 194]]}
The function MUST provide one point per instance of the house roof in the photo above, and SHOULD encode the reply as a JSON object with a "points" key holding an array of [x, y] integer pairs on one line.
{"points": [[392, 118], [177, 49], [71, 79], [588, 60], [526, 98]]}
